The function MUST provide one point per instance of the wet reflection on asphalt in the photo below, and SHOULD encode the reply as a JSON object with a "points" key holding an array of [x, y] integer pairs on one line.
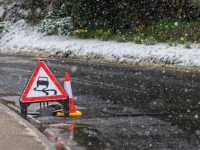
{"points": [[122, 133]]}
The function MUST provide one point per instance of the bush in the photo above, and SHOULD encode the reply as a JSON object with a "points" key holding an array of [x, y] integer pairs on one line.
{"points": [[114, 14], [54, 25], [170, 29], [1, 28], [40, 8], [91, 14]]}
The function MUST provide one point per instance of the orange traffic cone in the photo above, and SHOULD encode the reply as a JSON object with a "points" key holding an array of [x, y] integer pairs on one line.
{"points": [[68, 89]]}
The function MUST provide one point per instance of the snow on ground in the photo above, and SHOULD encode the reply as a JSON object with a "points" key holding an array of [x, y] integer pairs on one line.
{"points": [[21, 38]]}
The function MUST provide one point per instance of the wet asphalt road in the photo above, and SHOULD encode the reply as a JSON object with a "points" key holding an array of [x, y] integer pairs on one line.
{"points": [[127, 107]]}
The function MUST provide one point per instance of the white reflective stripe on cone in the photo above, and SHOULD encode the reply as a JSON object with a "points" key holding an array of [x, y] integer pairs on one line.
{"points": [[68, 89]]}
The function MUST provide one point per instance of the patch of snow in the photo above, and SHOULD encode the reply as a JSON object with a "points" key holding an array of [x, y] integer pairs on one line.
{"points": [[22, 37], [2, 11]]}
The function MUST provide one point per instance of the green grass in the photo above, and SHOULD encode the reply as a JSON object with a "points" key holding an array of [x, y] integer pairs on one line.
{"points": [[167, 30], [179, 30], [1, 28]]}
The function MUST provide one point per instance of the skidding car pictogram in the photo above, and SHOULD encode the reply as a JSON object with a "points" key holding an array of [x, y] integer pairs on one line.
{"points": [[42, 81]]}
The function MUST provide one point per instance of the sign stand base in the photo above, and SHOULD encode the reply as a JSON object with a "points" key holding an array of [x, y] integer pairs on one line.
{"points": [[64, 103]]}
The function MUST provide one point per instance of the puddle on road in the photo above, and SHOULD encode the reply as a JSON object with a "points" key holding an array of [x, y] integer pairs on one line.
{"points": [[89, 138], [74, 136], [123, 133]]}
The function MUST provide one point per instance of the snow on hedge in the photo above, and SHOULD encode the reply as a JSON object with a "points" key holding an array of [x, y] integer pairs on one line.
{"points": [[20, 37]]}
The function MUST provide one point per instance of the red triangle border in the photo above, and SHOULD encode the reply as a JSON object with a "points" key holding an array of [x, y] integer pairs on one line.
{"points": [[24, 98]]}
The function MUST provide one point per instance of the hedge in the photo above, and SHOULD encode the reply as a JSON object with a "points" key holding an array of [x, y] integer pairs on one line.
{"points": [[121, 14]]}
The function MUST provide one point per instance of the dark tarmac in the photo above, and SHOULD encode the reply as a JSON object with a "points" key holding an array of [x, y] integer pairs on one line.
{"points": [[142, 108]]}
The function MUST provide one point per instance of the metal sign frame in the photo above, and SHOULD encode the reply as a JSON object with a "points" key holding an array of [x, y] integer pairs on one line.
{"points": [[64, 103]]}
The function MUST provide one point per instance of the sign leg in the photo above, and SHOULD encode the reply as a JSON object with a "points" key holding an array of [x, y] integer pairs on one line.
{"points": [[65, 104], [66, 107], [23, 110]]}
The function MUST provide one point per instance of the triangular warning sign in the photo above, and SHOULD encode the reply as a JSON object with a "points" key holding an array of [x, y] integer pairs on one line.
{"points": [[42, 86]]}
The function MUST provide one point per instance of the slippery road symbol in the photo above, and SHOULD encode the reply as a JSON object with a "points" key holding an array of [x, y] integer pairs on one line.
{"points": [[43, 81]]}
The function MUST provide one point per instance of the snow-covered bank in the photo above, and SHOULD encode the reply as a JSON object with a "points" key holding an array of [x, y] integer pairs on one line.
{"points": [[20, 38]]}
